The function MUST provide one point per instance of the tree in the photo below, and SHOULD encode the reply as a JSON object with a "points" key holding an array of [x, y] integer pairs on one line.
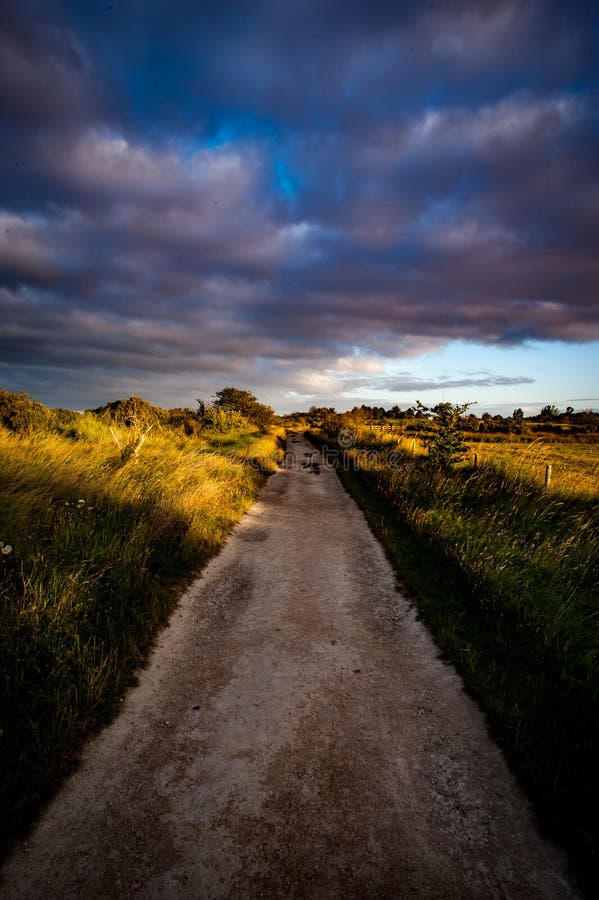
{"points": [[354, 419], [244, 402], [518, 416], [549, 413], [332, 421], [447, 446]]}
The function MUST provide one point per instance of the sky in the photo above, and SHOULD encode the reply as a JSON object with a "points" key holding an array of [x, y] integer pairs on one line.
{"points": [[326, 202]]}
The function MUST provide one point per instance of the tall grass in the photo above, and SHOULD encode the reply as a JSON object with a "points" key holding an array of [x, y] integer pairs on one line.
{"points": [[575, 467], [505, 573], [97, 550]]}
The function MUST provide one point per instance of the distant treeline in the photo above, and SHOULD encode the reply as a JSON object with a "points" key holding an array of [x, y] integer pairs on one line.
{"points": [[234, 408], [549, 420]]}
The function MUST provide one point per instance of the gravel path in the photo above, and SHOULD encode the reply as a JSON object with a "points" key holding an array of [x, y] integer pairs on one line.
{"points": [[294, 736]]}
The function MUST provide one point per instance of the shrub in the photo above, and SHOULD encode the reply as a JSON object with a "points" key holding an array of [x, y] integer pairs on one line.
{"points": [[222, 421], [185, 420], [133, 413], [19, 412]]}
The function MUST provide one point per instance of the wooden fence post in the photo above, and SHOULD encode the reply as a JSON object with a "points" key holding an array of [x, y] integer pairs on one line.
{"points": [[476, 460], [547, 475]]}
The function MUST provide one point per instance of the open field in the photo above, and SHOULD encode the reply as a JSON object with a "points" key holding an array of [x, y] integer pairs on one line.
{"points": [[93, 549], [505, 574], [575, 464]]}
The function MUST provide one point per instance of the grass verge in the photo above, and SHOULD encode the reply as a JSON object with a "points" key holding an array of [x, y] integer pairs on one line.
{"points": [[504, 574], [98, 554]]}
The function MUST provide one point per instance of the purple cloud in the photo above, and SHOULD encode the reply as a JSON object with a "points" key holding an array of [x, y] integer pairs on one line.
{"points": [[362, 187]]}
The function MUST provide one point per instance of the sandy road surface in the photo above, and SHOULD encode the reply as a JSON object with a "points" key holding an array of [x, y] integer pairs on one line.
{"points": [[294, 736]]}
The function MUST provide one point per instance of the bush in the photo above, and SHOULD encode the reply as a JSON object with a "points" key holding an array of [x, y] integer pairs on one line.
{"points": [[185, 420], [19, 412], [222, 421], [133, 413]]}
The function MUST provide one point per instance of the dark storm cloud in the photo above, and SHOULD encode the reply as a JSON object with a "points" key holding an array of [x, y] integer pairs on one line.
{"points": [[341, 61], [225, 189], [43, 70]]}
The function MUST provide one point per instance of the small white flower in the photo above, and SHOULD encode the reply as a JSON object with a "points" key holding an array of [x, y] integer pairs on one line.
{"points": [[6, 549], [80, 502]]}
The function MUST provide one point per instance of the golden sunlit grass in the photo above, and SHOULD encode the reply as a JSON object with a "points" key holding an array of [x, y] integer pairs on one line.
{"points": [[97, 547], [574, 465]]}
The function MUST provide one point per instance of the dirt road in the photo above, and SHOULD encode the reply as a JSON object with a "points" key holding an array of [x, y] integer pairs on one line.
{"points": [[295, 735]]}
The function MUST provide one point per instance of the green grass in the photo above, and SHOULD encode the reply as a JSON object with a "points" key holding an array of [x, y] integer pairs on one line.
{"points": [[100, 551], [505, 574]]}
